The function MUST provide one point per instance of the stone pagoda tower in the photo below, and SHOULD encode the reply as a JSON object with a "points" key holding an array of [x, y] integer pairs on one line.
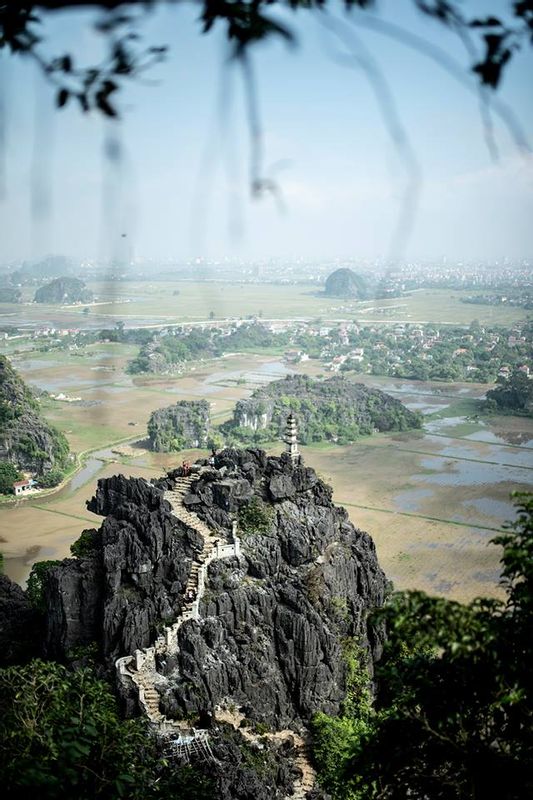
{"points": [[291, 439]]}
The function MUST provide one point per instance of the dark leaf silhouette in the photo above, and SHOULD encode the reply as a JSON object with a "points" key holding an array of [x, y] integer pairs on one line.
{"points": [[62, 97], [245, 24]]}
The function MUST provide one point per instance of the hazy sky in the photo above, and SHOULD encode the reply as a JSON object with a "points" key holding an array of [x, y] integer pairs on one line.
{"points": [[182, 188]]}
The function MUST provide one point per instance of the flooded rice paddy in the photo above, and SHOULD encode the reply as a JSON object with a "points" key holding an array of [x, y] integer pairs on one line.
{"points": [[431, 499]]}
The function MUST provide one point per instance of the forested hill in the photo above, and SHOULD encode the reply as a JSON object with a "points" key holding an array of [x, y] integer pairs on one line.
{"points": [[169, 353], [27, 441], [335, 409], [64, 290]]}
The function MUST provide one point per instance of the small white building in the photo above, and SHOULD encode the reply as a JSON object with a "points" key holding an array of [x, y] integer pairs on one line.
{"points": [[22, 487]]}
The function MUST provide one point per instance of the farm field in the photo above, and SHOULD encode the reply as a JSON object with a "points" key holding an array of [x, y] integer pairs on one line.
{"points": [[431, 504], [115, 405], [168, 302], [431, 499], [442, 306]]}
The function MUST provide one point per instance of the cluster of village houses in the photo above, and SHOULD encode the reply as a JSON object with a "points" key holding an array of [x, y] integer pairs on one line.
{"points": [[337, 340]]}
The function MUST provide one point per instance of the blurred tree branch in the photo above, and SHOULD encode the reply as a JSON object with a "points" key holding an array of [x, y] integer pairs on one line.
{"points": [[246, 23]]}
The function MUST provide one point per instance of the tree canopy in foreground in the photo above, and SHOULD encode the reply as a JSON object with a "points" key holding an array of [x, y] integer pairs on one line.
{"points": [[490, 40], [454, 714]]}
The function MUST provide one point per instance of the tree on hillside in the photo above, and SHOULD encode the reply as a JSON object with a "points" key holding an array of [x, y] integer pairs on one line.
{"points": [[513, 394], [8, 475], [454, 711]]}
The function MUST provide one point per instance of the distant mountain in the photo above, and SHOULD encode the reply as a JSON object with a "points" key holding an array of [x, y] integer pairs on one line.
{"points": [[336, 410], [49, 267], [346, 283], [10, 294], [26, 440], [64, 290]]}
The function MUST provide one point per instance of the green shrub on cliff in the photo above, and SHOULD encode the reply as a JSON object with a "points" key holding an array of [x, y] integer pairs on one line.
{"points": [[255, 517], [86, 544], [35, 589], [63, 739], [8, 475]]}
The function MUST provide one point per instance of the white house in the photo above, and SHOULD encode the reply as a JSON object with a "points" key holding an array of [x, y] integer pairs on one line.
{"points": [[21, 487]]}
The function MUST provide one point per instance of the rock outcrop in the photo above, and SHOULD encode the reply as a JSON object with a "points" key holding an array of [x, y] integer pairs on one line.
{"points": [[21, 625], [26, 439], [346, 283], [64, 290], [131, 581], [335, 410], [182, 425], [272, 620]]}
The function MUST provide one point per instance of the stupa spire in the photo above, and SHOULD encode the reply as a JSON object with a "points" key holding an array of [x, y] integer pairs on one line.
{"points": [[291, 439]]}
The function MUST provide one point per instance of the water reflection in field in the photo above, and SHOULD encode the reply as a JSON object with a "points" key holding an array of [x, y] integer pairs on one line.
{"points": [[455, 448], [89, 470], [428, 497], [448, 472], [521, 439]]}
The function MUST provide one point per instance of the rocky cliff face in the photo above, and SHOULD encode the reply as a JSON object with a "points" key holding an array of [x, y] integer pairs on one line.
{"points": [[21, 625], [131, 579], [180, 426], [273, 620], [26, 439]]}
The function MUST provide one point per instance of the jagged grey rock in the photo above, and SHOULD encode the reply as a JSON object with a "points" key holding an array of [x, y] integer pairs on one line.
{"points": [[132, 580], [21, 625], [272, 620]]}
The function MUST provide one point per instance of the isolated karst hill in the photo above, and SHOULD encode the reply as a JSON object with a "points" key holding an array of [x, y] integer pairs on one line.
{"points": [[180, 426], [64, 290], [26, 439], [335, 409], [345, 283], [267, 645]]}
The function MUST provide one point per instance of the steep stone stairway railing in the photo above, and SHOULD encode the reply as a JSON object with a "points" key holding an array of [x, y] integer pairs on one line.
{"points": [[303, 755], [141, 668]]}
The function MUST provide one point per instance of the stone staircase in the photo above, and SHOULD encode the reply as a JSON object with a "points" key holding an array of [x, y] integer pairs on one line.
{"points": [[141, 668], [303, 759]]}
